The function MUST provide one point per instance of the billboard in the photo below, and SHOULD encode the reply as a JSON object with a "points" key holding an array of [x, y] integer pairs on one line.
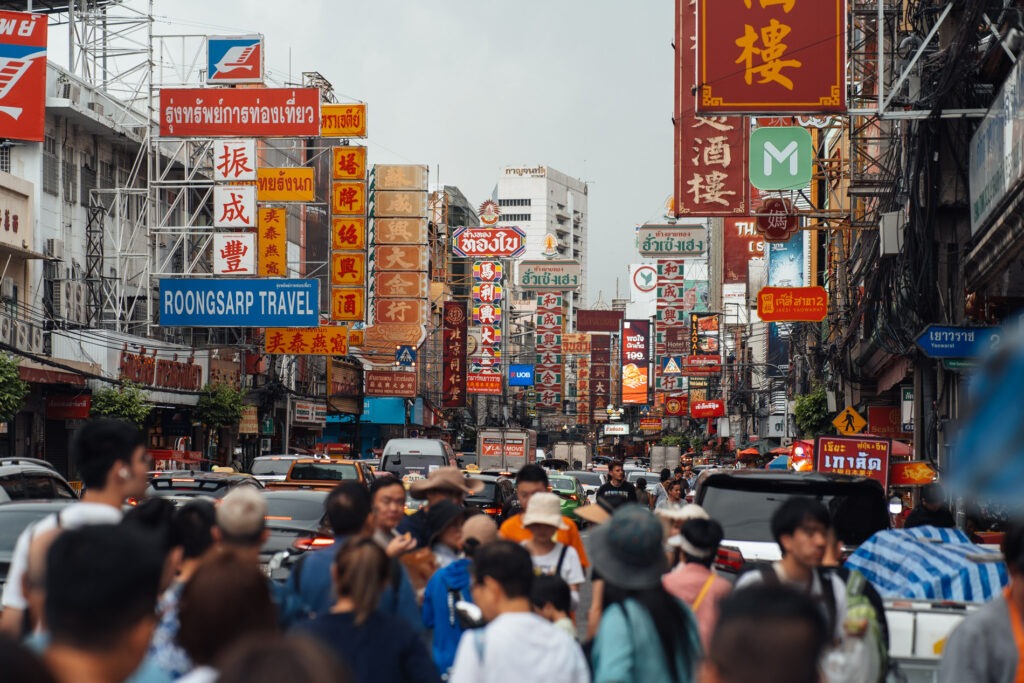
{"points": [[553, 276], [636, 338], [248, 112], [453, 377], [786, 268], [771, 56], [742, 243], [22, 75], [520, 375], [239, 303], [315, 341], [671, 240], [859, 456], [234, 59]]}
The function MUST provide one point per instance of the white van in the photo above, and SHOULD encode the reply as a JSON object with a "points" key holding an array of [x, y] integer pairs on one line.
{"points": [[415, 457]]}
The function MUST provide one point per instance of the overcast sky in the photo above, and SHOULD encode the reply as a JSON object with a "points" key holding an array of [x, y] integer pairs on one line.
{"points": [[469, 86]]}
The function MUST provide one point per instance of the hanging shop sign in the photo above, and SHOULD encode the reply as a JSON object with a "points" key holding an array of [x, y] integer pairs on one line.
{"points": [[453, 373], [508, 242], [249, 423], [234, 59], [23, 75], [393, 383], [635, 361], [777, 220], [677, 406], [343, 120], [401, 231], [160, 373], [316, 341], [286, 184], [234, 160], [671, 240], [863, 456], [243, 112], [234, 253], [593, 320], [273, 247], [234, 206], [239, 303], [912, 473], [704, 409], [348, 163], [309, 412], [484, 383], [400, 177], [792, 304], [60, 407], [553, 276]]}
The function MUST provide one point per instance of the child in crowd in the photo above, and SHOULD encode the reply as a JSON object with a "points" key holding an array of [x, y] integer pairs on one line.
{"points": [[552, 600], [543, 519]]}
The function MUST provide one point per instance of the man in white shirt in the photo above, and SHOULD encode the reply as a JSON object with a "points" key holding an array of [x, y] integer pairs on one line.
{"points": [[516, 645], [111, 457]]}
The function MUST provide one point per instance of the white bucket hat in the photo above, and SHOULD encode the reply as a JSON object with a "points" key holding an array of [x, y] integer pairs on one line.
{"points": [[545, 508]]}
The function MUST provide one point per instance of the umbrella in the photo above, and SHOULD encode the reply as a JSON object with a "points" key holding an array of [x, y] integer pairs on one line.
{"points": [[929, 563], [749, 451], [781, 450], [780, 462]]}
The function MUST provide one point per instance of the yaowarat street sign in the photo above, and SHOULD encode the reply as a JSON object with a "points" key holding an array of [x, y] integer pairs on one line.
{"points": [[552, 276], [250, 112], [771, 56], [671, 240], [865, 457], [391, 383], [507, 242], [792, 304]]}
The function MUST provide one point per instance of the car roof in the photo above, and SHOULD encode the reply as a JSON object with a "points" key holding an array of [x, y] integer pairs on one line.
{"points": [[295, 494], [782, 477], [49, 504], [33, 468], [226, 477], [327, 461], [279, 457]]}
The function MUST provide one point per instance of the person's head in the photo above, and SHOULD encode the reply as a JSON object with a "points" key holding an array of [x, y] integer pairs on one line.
{"points": [[616, 472], [544, 518], [242, 519], [641, 484], [530, 479], [111, 457], [193, 524], [20, 664], [102, 583], [444, 522], [226, 599], [687, 471], [502, 573], [678, 474], [699, 539], [361, 571], [387, 494], [800, 527], [348, 509], [674, 489], [551, 597], [445, 483], [272, 659], [932, 497], [33, 581], [477, 531], [1013, 548], [665, 475], [766, 633], [155, 518]]}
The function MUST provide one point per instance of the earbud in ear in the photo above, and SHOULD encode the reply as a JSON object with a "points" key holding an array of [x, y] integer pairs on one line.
{"points": [[124, 473]]}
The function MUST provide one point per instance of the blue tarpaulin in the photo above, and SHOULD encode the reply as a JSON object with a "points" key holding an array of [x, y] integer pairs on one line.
{"points": [[929, 563], [779, 463]]}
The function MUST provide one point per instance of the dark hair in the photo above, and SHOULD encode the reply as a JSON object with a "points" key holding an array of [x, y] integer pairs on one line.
{"points": [[665, 475], [616, 463], [101, 445], [933, 493], [788, 517], [193, 525], [1013, 545], [155, 518], [551, 589], [675, 484], [532, 473], [705, 534], [384, 482], [769, 633], [101, 581], [271, 659], [671, 621], [362, 570], [507, 563], [348, 506], [641, 483], [679, 470], [226, 599], [21, 664]]}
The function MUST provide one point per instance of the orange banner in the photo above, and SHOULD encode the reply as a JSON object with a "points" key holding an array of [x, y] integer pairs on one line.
{"points": [[401, 284], [343, 120], [401, 230], [348, 233], [316, 341], [348, 163], [348, 304], [792, 304], [285, 185], [348, 268], [398, 311], [913, 473], [273, 238], [348, 198]]}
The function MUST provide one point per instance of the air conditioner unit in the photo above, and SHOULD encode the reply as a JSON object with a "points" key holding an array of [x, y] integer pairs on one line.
{"points": [[22, 335], [63, 300], [37, 341], [96, 107], [80, 314], [8, 290], [6, 325], [55, 249]]}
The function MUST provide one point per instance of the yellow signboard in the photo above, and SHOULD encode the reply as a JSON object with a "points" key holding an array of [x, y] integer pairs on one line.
{"points": [[343, 120], [348, 304], [356, 337], [348, 163], [849, 421], [348, 268], [293, 184], [348, 198], [273, 235], [348, 233], [316, 341]]}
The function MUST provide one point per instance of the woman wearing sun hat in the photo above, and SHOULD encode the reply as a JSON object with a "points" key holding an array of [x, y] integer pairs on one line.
{"points": [[543, 519], [645, 635]]}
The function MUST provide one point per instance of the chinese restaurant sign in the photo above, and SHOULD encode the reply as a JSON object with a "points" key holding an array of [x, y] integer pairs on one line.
{"points": [[23, 75], [865, 457], [250, 112], [317, 341], [671, 240], [771, 56], [792, 304]]}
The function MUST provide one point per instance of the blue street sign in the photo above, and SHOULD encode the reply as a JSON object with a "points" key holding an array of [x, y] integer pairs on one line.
{"points": [[255, 302], [405, 356], [672, 365], [944, 341]]}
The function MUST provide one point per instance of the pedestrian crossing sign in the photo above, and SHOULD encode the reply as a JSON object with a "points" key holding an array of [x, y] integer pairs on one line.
{"points": [[849, 421], [405, 356], [671, 366]]}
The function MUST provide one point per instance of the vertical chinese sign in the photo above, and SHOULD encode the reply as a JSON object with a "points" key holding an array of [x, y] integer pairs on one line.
{"points": [[600, 375], [235, 253], [488, 292], [670, 322], [548, 376], [22, 75], [273, 235], [348, 234], [710, 152], [636, 337], [771, 56], [453, 382]]}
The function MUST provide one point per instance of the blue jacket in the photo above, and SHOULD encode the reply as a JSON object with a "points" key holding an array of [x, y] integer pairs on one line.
{"points": [[443, 591], [311, 581]]}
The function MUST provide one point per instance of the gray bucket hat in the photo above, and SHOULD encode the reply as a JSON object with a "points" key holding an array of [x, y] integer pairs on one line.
{"points": [[627, 550]]}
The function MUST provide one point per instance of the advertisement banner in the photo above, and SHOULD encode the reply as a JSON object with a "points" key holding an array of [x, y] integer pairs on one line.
{"points": [[507, 242], [390, 383], [273, 238], [592, 320], [913, 473], [772, 56], [554, 276], [792, 304], [289, 184], [234, 160], [248, 112], [520, 375], [234, 59], [704, 332], [23, 75], [885, 421], [636, 340], [706, 408], [742, 243], [864, 456], [695, 364], [239, 303], [343, 120], [617, 429], [234, 206], [671, 240], [348, 163], [234, 253], [710, 153], [483, 383], [309, 341], [650, 425], [453, 377]]}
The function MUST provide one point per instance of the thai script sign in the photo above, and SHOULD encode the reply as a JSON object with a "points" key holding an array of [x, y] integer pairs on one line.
{"points": [[239, 303], [484, 383], [343, 121], [635, 361], [314, 341], [249, 112], [392, 383], [671, 240], [234, 59], [68, 407], [162, 373], [702, 365], [593, 320], [792, 304], [555, 276], [507, 242], [22, 75], [703, 409], [292, 184], [864, 457], [576, 343]]}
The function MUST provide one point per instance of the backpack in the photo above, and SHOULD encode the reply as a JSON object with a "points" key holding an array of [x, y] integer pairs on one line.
{"points": [[858, 606]]}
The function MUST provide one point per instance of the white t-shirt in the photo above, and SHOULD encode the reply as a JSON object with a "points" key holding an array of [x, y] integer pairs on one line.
{"points": [[518, 647], [754, 577], [72, 517], [572, 568]]}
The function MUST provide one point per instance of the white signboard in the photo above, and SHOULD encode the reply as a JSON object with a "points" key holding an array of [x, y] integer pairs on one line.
{"points": [[234, 160], [234, 253], [617, 429], [234, 206]]}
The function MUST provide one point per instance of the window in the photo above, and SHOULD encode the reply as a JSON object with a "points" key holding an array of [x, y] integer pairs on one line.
{"points": [[69, 175], [514, 217], [51, 179], [515, 202], [5, 158]]}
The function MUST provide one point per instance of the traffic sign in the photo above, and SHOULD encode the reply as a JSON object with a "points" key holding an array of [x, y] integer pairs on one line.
{"points": [[672, 365], [405, 356], [945, 341], [849, 421]]}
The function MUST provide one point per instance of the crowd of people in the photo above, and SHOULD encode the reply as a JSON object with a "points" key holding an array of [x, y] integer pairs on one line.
{"points": [[97, 594]]}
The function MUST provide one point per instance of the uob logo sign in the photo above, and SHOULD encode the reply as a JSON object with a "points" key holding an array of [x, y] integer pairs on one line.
{"points": [[520, 375]]}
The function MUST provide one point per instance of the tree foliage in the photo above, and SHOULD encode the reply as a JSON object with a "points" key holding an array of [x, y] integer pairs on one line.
{"points": [[811, 413], [12, 389], [220, 405], [124, 402]]}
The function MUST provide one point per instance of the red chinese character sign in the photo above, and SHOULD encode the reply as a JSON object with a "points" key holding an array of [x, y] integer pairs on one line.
{"points": [[771, 56], [777, 220], [453, 373], [22, 75], [234, 253], [234, 206], [710, 153]]}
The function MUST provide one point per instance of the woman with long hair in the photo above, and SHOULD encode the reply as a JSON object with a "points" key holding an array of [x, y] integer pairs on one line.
{"points": [[377, 647], [645, 635]]}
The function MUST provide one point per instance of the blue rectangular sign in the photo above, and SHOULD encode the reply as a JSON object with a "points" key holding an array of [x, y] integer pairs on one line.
{"points": [[520, 375], [943, 341], [255, 302]]}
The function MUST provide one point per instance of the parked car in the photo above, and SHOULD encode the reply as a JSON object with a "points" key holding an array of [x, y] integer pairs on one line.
{"points": [[180, 487], [32, 479], [467, 460], [296, 522], [402, 457], [590, 481], [570, 493], [15, 518], [318, 473], [497, 498], [633, 475], [268, 468]]}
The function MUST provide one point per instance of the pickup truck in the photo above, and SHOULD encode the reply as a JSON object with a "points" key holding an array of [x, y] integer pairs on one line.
{"points": [[320, 474]]}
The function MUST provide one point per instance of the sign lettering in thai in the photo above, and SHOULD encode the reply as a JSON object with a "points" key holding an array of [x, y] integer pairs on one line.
{"points": [[864, 456], [576, 343], [289, 184], [507, 242], [239, 303], [22, 75], [635, 361], [912, 473], [792, 304], [60, 407], [671, 240], [242, 112], [705, 409], [702, 365], [554, 276], [343, 120], [312, 341], [394, 383], [484, 383]]}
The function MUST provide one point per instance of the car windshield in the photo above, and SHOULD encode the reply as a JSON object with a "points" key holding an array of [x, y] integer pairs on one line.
{"points": [[288, 509], [562, 483], [745, 511], [413, 462], [271, 467], [639, 474], [12, 523], [486, 493], [588, 478], [323, 471]]}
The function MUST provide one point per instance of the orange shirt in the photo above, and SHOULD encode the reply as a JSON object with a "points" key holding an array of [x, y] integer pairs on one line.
{"points": [[513, 530]]}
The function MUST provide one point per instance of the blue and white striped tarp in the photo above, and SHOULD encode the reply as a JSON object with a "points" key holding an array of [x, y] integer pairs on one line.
{"points": [[929, 563]]}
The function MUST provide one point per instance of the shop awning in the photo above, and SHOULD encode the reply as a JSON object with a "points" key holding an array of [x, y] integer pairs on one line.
{"points": [[39, 373]]}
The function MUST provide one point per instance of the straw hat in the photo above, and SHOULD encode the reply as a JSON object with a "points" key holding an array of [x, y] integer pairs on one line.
{"points": [[445, 479]]}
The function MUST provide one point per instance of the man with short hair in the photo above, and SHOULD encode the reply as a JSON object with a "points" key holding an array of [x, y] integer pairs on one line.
{"points": [[932, 511], [533, 479], [111, 457], [443, 483], [766, 633], [617, 486], [101, 590], [516, 645]]}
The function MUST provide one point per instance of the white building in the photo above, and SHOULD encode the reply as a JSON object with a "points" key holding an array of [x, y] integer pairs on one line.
{"points": [[543, 201]]}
